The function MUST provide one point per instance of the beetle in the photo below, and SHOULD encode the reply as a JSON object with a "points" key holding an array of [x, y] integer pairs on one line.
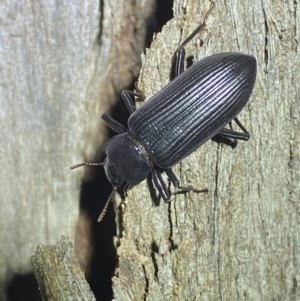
{"points": [[194, 107]]}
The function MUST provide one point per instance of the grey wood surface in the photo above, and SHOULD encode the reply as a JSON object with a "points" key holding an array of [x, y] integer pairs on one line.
{"points": [[241, 240], [62, 64]]}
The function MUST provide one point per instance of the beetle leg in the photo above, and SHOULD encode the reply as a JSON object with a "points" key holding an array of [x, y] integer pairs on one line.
{"points": [[175, 182], [160, 184], [234, 135], [199, 27], [179, 68], [126, 96], [241, 126], [139, 93], [114, 124]]}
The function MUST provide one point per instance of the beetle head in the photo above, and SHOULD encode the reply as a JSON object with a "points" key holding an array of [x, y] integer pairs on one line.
{"points": [[124, 162]]}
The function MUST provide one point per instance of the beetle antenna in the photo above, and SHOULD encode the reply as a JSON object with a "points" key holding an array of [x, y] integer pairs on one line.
{"points": [[106, 204], [86, 164]]}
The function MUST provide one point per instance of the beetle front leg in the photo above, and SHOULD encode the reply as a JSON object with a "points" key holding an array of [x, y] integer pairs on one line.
{"points": [[126, 96], [175, 182], [114, 124], [160, 184]]}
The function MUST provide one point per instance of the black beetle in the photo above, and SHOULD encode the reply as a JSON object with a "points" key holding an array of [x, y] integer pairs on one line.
{"points": [[190, 110]]}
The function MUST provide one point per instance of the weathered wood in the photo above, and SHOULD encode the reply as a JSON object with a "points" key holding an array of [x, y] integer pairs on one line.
{"points": [[58, 273], [241, 241], [63, 64]]}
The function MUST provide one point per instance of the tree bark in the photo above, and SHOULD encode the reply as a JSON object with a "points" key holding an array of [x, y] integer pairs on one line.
{"points": [[241, 240], [63, 64], [58, 273]]}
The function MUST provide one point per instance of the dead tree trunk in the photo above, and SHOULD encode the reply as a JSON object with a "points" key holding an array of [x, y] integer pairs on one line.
{"points": [[241, 241], [63, 64]]}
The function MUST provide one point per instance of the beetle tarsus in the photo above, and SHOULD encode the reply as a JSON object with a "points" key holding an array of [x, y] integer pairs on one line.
{"points": [[231, 134], [176, 183], [139, 93], [199, 27]]}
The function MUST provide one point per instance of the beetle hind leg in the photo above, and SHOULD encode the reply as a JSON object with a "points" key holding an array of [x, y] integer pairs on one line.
{"points": [[229, 133]]}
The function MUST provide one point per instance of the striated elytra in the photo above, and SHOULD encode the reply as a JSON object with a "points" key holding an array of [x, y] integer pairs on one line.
{"points": [[191, 109]]}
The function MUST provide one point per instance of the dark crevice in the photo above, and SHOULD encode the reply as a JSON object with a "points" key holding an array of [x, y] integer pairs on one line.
{"points": [[173, 246], [96, 189], [94, 193], [101, 4], [216, 197], [146, 285], [219, 275], [295, 285], [295, 18], [215, 224], [163, 13], [266, 57], [23, 287], [155, 250]]}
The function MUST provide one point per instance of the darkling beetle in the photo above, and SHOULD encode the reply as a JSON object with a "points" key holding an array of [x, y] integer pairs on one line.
{"points": [[173, 123]]}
